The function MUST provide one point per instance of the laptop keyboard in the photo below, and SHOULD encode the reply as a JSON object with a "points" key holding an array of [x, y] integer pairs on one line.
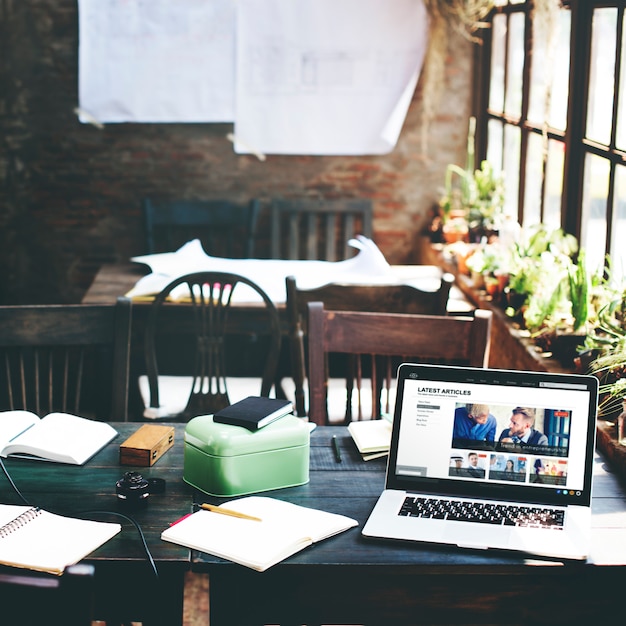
{"points": [[483, 512]]}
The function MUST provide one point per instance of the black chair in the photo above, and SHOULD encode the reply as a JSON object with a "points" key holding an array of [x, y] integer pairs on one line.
{"points": [[34, 599], [397, 298], [186, 346], [225, 228], [317, 229], [67, 358]]}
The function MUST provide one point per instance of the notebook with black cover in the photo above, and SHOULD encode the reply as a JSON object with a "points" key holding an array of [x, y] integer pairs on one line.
{"points": [[484, 458]]}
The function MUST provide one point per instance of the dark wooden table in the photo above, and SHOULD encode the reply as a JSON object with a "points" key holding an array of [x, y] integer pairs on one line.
{"points": [[345, 579], [114, 280], [350, 580], [126, 587]]}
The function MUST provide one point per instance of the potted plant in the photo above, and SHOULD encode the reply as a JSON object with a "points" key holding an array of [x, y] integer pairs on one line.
{"points": [[608, 344], [473, 197], [569, 336], [539, 272]]}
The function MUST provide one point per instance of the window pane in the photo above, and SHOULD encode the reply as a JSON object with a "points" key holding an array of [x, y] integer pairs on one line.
{"points": [[496, 86], [515, 65], [620, 139], [602, 75], [511, 168], [534, 175], [618, 234], [595, 192], [550, 69], [494, 143], [554, 184]]}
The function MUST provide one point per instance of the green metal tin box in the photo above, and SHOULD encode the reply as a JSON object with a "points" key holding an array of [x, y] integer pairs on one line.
{"points": [[226, 460]]}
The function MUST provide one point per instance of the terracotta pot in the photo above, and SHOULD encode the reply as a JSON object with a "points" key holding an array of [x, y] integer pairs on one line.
{"points": [[565, 347]]}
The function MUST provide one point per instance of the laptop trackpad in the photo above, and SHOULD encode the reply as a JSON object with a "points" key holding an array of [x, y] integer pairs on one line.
{"points": [[474, 535]]}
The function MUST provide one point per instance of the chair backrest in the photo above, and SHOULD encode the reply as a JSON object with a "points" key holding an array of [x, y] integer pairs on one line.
{"points": [[32, 599], [429, 338], [68, 358], [398, 298], [225, 228], [317, 229], [205, 316]]}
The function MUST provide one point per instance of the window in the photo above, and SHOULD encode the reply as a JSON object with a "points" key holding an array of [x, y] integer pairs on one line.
{"points": [[554, 118]]}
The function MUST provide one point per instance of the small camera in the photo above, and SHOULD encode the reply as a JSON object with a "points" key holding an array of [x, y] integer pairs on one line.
{"points": [[132, 488]]}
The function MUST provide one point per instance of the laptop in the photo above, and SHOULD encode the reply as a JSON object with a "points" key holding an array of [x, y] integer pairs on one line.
{"points": [[484, 458]]}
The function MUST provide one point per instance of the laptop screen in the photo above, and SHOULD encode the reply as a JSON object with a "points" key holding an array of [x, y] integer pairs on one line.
{"points": [[510, 435]]}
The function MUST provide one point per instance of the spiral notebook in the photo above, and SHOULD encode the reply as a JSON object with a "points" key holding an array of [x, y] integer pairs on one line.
{"points": [[35, 539]]}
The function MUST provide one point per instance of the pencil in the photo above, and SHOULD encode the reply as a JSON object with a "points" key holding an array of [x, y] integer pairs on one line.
{"points": [[223, 511]]}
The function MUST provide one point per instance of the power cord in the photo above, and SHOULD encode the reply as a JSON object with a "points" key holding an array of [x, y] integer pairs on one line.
{"points": [[17, 491], [126, 517], [139, 531]]}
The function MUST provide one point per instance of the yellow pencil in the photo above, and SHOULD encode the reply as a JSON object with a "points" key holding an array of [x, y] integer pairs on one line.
{"points": [[223, 511]]}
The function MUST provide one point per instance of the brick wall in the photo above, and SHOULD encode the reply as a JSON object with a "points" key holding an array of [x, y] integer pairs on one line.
{"points": [[70, 193]]}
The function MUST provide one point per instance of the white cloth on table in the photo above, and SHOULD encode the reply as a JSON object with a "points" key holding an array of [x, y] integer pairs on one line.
{"points": [[368, 266]]}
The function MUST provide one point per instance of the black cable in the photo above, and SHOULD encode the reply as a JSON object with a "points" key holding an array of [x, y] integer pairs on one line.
{"points": [[126, 517], [139, 531], [17, 491]]}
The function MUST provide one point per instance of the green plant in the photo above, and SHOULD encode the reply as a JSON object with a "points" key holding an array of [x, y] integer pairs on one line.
{"points": [[488, 258], [476, 195], [579, 291], [608, 341], [540, 266]]}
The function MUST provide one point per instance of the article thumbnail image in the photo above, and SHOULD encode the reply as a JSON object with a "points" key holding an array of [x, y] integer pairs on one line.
{"points": [[468, 464], [549, 471], [530, 430], [508, 467]]}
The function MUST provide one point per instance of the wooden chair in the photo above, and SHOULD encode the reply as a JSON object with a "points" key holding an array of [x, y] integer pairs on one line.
{"points": [[342, 297], [68, 358], [33, 599], [317, 229], [224, 227], [427, 338], [202, 386]]}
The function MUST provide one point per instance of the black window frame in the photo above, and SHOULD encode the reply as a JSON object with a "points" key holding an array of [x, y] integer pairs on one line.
{"points": [[576, 145]]}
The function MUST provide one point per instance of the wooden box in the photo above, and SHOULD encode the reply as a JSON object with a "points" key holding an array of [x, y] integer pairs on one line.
{"points": [[146, 445]]}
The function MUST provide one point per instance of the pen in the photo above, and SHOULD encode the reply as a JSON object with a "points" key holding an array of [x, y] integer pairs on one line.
{"points": [[336, 447], [223, 511]]}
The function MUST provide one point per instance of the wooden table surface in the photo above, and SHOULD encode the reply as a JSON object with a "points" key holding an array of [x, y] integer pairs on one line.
{"points": [[126, 586], [345, 579], [113, 280], [348, 579]]}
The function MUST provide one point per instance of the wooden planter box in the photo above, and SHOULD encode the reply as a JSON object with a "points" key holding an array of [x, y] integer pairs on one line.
{"points": [[611, 450]]}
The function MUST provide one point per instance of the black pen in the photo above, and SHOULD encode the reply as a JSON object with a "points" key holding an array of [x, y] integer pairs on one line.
{"points": [[336, 447]]}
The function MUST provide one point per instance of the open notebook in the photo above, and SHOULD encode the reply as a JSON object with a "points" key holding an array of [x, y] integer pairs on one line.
{"points": [[490, 459]]}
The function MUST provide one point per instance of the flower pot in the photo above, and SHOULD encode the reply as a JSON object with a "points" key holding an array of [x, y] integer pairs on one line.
{"points": [[452, 236], [565, 347]]}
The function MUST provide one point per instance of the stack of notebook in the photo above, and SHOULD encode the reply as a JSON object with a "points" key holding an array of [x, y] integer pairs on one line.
{"points": [[372, 437]]}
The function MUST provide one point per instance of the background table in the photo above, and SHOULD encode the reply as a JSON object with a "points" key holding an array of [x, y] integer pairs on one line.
{"points": [[114, 280]]}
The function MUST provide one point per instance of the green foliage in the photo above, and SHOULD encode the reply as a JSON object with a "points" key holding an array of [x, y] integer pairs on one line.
{"points": [[608, 341], [477, 195], [540, 267], [579, 288]]}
